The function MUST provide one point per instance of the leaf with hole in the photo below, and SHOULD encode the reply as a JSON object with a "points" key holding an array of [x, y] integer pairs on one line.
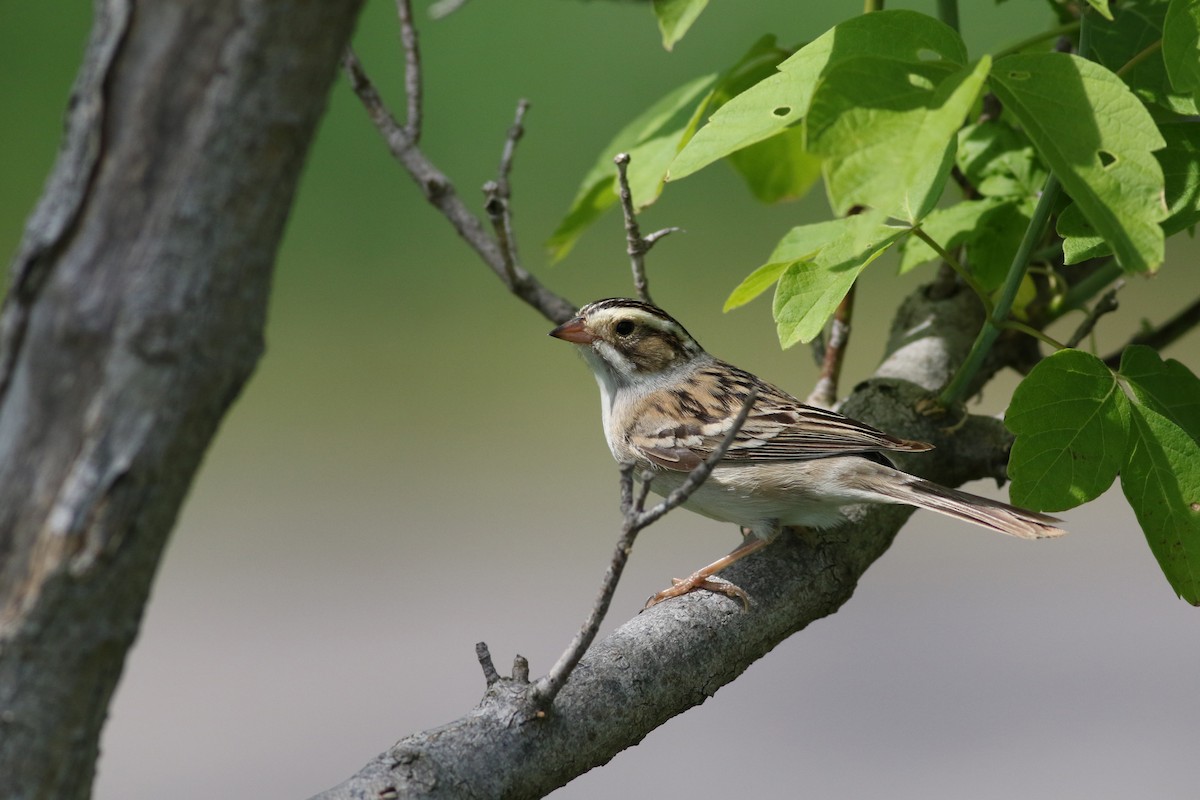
{"points": [[1071, 421], [1180, 162], [1099, 140]]}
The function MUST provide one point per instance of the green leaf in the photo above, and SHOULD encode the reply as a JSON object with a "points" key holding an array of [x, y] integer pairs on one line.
{"points": [[998, 161], [1181, 46], [810, 288], [756, 283], [1072, 425], [1080, 240], [1168, 387], [675, 17], [1180, 162], [1161, 480], [800, 243], [990, 255], [1101, 7], [779, 101], [1137, 32], [888, 131], [1131, 48], [1099, 140], [777, 169], [651, 141], [990, 228]]}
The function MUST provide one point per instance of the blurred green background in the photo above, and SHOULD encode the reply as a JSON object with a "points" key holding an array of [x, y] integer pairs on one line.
{"points": [[416, 467]]}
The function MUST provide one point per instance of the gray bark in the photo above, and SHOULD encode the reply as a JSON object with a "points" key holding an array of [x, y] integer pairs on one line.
{"points": [[134, 317], [677, 654]]}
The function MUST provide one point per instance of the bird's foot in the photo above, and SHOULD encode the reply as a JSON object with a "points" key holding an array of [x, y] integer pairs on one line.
{"points": [[698, 580]]}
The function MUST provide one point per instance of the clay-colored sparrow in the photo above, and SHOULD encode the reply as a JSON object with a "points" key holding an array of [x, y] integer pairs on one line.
{"points": [[667, 404]]}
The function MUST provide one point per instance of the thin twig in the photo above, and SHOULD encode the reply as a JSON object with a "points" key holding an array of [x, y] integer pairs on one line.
{"points": [[636, 245], [412, 70], [515, 132], [1163, 335], [824, 394], [439, 191], [497, 195], [1105, 305], [698, 475], [635, 519]]}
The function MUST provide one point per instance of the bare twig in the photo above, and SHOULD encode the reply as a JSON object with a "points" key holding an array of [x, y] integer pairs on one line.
{"points": [[637, 245], [1164, 334], [439, 191], [636, 518], [824, 394], [497, 194], [412, 70], [1105, 305]]}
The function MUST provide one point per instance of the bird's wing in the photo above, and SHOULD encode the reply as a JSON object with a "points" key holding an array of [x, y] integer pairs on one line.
{"points": [[778, 428]]}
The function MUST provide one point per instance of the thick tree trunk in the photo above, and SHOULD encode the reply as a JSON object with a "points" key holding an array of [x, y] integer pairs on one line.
{"points": [[135, 315]]}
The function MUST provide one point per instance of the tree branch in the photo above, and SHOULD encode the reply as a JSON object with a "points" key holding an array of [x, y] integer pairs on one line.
{"points": [[674, 655], [440, 192], [824, 394], [1168, 333]]}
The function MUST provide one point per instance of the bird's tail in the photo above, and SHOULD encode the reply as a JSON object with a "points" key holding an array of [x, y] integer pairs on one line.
{"points": [[986, 513]]}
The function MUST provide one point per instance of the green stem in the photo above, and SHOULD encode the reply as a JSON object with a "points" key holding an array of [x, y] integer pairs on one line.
{"points": [[872, 5], [1053, 33], [948, 12], [1139, 57], [1095, 282], [1042, 336], [957, 389], [955, 265]]}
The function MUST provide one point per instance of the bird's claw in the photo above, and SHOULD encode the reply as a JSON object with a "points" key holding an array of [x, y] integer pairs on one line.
{"points": [[709, 583]]}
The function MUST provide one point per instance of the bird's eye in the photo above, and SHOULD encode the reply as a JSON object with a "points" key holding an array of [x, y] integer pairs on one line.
{"points": [[624, 327]]}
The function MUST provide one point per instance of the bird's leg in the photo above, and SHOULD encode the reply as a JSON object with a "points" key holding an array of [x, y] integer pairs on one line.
{"points": [[704, 578]]}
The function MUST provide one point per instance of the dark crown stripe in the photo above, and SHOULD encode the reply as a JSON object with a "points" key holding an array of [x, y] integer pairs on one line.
{"points": [[630, 303]]}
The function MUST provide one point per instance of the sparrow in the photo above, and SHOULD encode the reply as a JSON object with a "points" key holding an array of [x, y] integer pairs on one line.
{"points": [[666, 405]]}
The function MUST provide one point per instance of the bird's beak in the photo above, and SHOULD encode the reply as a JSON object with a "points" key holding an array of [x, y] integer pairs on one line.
{"points": [[573, 331]]}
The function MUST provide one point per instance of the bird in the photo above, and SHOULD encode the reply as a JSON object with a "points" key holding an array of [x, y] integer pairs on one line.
{"points": [[667, 404]]}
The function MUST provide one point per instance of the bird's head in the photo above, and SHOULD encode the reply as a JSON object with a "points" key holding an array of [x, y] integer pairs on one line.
{"points": [[629, 340]]}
